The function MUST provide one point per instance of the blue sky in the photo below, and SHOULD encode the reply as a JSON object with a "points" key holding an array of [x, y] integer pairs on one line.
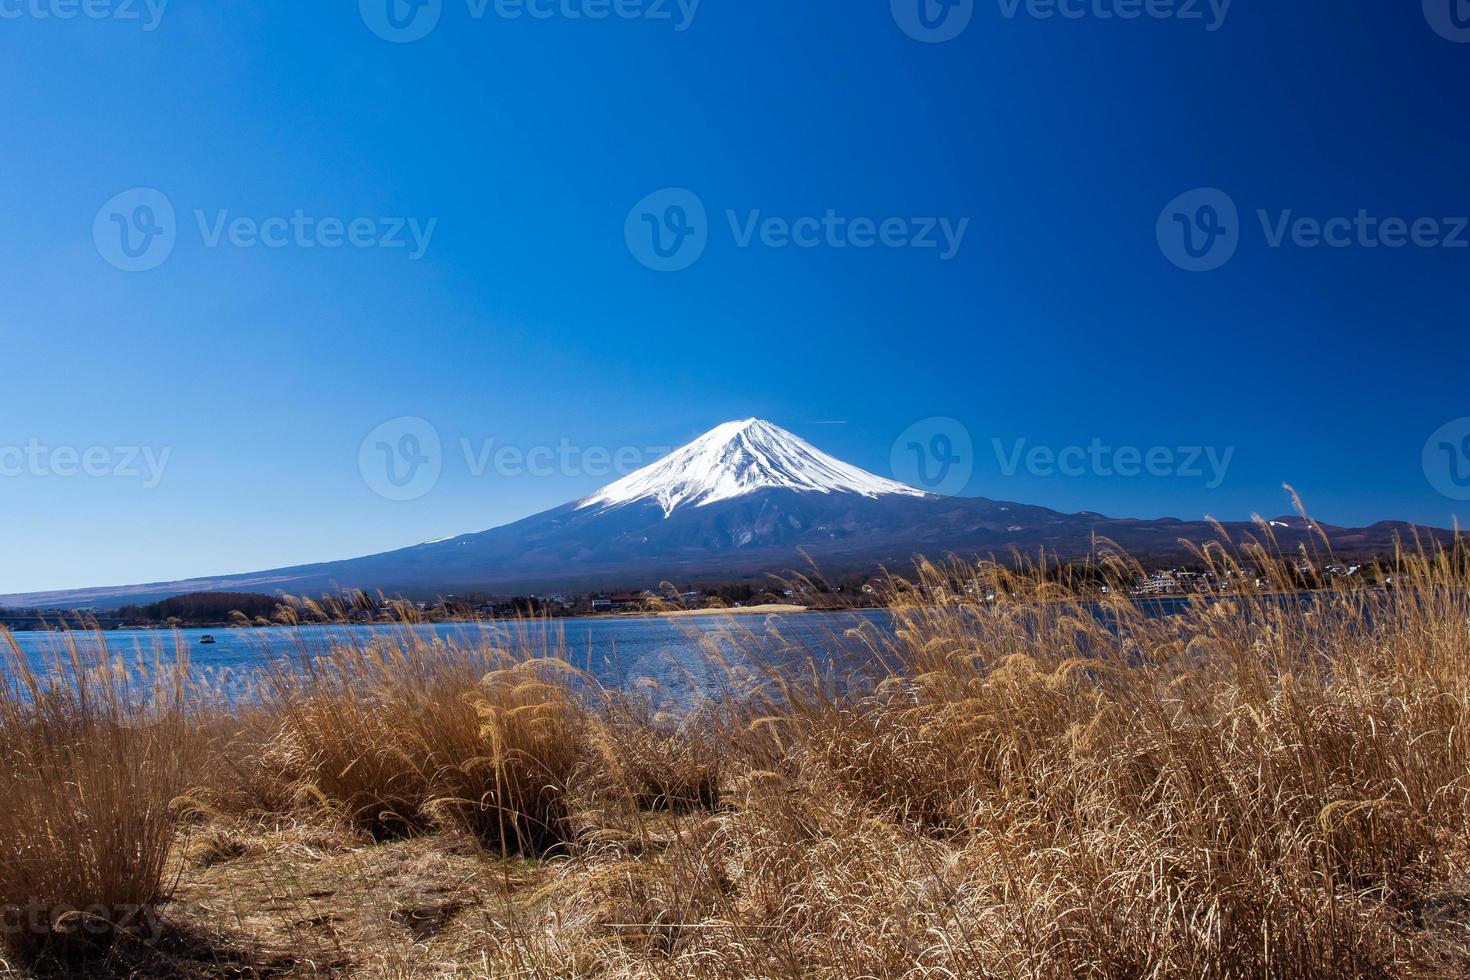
{"points": [[519, 146]]}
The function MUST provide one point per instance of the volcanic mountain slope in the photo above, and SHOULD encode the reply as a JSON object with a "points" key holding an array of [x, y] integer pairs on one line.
{"points": [[746, 497]]}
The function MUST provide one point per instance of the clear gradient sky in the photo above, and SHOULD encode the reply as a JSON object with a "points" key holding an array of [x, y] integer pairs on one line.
{"points": [[529, 320]]}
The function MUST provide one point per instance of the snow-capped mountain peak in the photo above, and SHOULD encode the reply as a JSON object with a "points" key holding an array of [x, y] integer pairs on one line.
{"points": [[738, 458]]}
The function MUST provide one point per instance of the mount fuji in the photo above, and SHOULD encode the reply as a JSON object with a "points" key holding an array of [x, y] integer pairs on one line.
{"points": [[743, 499], [740, 458]]}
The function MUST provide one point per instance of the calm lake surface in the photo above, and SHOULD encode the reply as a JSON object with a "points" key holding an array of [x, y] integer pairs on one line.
{"points": [[619, 651]]}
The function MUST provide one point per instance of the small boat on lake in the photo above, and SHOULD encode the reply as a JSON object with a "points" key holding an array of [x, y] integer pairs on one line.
{"points": [[207, 638]]}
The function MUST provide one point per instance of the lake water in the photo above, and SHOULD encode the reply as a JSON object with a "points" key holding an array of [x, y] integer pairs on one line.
{"points": [[619, 651]]}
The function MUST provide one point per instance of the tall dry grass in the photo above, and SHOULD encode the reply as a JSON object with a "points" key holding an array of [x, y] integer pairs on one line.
{"points": [[1028, 775], [403, 734], [1053, 780], [93, 754]]}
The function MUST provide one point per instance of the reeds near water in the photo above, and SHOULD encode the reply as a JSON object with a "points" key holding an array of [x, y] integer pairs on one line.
{"points": [[1032, 778], [92, 758]]}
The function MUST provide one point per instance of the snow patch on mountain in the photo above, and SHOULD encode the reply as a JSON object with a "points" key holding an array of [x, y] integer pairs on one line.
{"points": [[738, 458]]}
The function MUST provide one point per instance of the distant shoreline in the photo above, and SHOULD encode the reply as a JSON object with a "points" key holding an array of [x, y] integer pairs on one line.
{"points": [[769, 608], [765, 608]]}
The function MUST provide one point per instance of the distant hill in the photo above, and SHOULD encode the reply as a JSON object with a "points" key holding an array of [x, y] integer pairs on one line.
{"points": [[205, 607]]}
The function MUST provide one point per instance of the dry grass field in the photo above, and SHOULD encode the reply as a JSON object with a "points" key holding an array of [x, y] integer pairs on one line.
{"points": [[1040, 781]]}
